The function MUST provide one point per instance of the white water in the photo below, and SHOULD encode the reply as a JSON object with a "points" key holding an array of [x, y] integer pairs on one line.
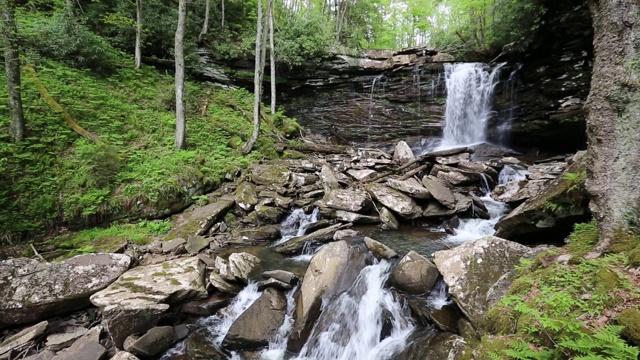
{"points": [[350, 325], [439, 296], [296, 224], [278, 347], [512, 173], [468, 109], [473, 229]]}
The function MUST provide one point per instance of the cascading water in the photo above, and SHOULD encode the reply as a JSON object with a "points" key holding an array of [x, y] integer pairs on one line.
{"points": [[439, 295], [510, 91], [353, 326], [278, 347], [512, 173], [296, 224], [468, 109]]}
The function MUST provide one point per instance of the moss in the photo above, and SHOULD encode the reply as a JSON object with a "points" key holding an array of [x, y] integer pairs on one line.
{"points": [[634, 257], [174, 282], [526, 322], [293, 154], [630, 319], [623, 242], [235, 142], [501, 320], [492, 347], [583, 238], [605, 281], [161, 273], [229, 218]]}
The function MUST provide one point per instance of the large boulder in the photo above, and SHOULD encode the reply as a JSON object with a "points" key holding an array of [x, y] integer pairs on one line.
{"points": [[479, 273], [396, 201], [411, 187], [277, 175], [463, 204], [414, 274], [403, 153], [439, 191], [134, 302], [348, 200], [31, 290], [246, 196], [332, 270], [259, 324], [515, 191], [155, 341]]}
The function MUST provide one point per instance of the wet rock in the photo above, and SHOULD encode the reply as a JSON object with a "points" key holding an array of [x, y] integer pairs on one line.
{"points": [[455, 176], [403, 153], [515, 191], [87, 347], [411, 187], [388, 220], [173, 245], [320, 224], [196, 243], [270, 174], [207, 215], [274, 283], [434, 209], [378, 249], [279, 200], [282, 275], [345, 234], [153, 342], [475, 279], [62, 287], [268, 214], [362, 175], [259, 324], [23, 337], [414, 274], [355, 218], [199, 347], [206, 307], [57, 342], [261, 233], [246, 196], [396, 201], [479, 167], [435, 345], [348, 200], [331, 270], [222, 284], [296, 244], [329, 179], [439, 191], [124, 355], [242, 264], [445, 317]]}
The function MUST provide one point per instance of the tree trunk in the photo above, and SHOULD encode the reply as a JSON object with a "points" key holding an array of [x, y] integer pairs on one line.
{"points": [[222, 22], [179, 77], [205, 25], [613, 120], [272, 62], [138, 50], [69, 4], [257, 84], [12, 68]]}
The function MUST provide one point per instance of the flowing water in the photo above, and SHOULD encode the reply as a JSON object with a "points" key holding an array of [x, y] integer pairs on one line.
{"points": [[296, 224], [468, 109], [510, 92]]}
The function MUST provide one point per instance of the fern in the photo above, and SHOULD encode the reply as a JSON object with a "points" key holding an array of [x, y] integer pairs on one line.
{"points": [[520, 350], [604, 344]]}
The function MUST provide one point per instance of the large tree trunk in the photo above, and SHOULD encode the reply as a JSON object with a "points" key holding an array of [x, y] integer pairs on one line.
{"points": [[179, 77], [205, 25], [613, 120], [138, 50], [272, 62], [257, 84], [12, 68]]}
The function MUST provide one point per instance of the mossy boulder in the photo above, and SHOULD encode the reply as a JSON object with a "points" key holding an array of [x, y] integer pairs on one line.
{"points": [[246, 196], [630, 319], [270, 174]]}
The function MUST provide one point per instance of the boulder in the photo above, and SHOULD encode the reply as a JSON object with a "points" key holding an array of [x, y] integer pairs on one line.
{"points": [[345, 234], [173, 245], [259, 324], [222, 284], [414, 274], [332, 270], [260, 233], [22, 338], [246, 196], [282, 275], [269, 214], [403, 153], [153, 342], [207, 215], [242, 264], [88, 347], [396, 201], [59, 341], [296, 244], [440, 345], [329, 179], [274, 283], [348, 200], [378, 249], [270, 174], [62, 287], [515, 191], [463, 204], [475, 278], [362, 175], [304, 179], [355, 218], [410, 187], [206, 307], [196, 243], [132, 303], [452, 159], [198, 346], [389, 222], [439, 191], [44, 355]]}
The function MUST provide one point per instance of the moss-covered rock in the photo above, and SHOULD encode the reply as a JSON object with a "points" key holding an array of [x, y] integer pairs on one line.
{"points": [[630, 319], [623, 242], [634, 257]]}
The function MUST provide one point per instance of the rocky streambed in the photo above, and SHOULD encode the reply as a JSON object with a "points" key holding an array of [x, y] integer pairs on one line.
{"points": [[305, 258]]}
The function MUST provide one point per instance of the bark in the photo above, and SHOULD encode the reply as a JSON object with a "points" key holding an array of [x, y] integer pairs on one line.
{"points": [[222, 21], [613, 120], [12, 68], [257, 85], [179, 77], [205, 25], [69, 4], [272, 62], [138, 50]]}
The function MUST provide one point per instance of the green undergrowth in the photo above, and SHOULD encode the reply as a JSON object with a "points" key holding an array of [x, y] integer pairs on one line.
{"points": [[562, 306], [56, 177]]}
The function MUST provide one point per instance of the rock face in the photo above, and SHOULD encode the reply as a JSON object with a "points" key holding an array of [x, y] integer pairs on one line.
{"points": [[479, 272], [331, 270], [414, 274], [61, 287], [259, 324], [396, 201], [134, 302]]}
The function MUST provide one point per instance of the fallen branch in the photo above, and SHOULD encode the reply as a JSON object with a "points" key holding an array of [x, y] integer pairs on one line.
{"points": [[413, 172], [54, 105], [36, 253]]}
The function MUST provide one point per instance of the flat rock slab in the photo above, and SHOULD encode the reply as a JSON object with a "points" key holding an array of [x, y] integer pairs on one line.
{"points": [[348, 200], [32, 291], [380, 250], [479, 273], [410, 187], [351, 217], [439, 191], [201, 219], [396, 201], [362, 175], [21, 338], [317, 237]]}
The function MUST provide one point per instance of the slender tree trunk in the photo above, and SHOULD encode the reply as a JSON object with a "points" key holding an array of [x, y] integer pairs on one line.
{"points": [[272, 62], [69, 4], [257, 85], [222, 21], [179, 77], [205, 25], [613, 121], [138, 50], [12, 68]]}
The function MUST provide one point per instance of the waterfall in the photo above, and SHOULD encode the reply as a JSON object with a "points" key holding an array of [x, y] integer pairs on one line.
{"points": [[468, 108], [364, 323], [512, 173], [278, 347], [296, 224], [439, 296], [510, 90]]}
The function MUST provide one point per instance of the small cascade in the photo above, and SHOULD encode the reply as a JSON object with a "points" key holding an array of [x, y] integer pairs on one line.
{"points": [[417, 77], [512, 173], [510, 90], [435, 85], [380, 79], [278, 347], [364, 323], [296, 224], [439, 296], [468, 109]]}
